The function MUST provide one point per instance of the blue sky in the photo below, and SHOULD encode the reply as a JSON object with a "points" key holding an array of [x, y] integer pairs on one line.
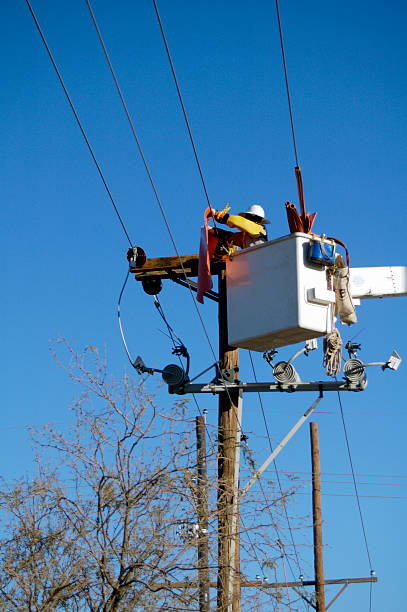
{"points": [[64, 250]]}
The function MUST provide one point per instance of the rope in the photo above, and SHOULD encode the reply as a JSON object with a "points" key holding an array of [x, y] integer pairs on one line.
{"points": [[332, 353], [78, 121]]}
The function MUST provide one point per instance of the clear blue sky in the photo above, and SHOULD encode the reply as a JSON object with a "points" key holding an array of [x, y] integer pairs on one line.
{"points": [[64, 251]]}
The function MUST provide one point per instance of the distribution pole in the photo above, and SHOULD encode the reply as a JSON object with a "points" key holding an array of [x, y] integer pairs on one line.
{"points": [[317, 520], [202, 495], [228, 584]]}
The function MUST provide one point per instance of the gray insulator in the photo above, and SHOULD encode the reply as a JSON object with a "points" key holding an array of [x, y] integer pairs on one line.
{"points": [[285, 372], [174, 375], [354, 370]]}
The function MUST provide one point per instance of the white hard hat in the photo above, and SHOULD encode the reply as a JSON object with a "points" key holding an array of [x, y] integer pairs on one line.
{"points": [[257, 211]]}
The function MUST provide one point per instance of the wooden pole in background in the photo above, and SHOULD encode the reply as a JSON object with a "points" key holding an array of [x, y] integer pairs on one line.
{"points": [[202, 495], [317, 516]]}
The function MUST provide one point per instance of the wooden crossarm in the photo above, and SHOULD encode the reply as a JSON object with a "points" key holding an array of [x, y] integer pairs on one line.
{"points": [[164, 267]]}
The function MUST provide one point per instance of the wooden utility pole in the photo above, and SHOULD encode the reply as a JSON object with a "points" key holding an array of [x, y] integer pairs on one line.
{"points": [[228, 465], [202, 500], [317, 516], [180, 269]]}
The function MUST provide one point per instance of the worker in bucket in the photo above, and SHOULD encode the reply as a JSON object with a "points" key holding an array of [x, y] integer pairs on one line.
{"points": [[217, 242], [250, 223]]}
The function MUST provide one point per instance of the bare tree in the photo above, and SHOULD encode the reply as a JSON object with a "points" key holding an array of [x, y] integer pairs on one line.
{"points": [[105, 524], [39, 568]]}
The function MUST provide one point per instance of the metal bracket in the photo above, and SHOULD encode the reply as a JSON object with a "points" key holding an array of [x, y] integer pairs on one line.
{"points": [[225, 376], [221, 386]]}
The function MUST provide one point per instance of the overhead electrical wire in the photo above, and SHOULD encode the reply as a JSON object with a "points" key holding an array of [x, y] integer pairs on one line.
{"points": [[119, 319], [184, 110], [100, 170], [78, 122], [357, 498], [179, 349], [279, 482], [251, 544], [148, 171], [176, 350], [280, 29], [96, 162], [301, 197], [143, 158], [344, 482], [195, 150], [155, 190], [153, 184], [222, 380], [261, 565], [354, 481], [275, 463]]}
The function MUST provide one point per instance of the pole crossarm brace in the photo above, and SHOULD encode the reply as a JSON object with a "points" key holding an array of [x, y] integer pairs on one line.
{"points": [[309, 602], [280, 447], [263, 585], [270, 387], [345, 586], [212, 295]]}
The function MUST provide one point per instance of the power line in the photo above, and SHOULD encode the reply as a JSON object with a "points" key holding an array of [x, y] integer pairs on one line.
{"points": [[344, 482], [260, 564], [275, 467], [346, 474], [286, 83], [155, 189], [357, 496], [183, 109], [78, 121], [145, 162], [94, 157], [354, 481], [143, 158]]}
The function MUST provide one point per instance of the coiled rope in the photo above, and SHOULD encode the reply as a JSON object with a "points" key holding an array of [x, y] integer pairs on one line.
{"points": [[332, 353]]}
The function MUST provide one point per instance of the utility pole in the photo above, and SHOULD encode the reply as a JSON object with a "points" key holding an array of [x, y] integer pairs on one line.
{"points": [[180, 269], [228, 585], [202, 500], [317, 520]]}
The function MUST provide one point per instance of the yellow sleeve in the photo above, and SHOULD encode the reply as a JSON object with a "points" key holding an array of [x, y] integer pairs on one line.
{"points": [[252, 228]]}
